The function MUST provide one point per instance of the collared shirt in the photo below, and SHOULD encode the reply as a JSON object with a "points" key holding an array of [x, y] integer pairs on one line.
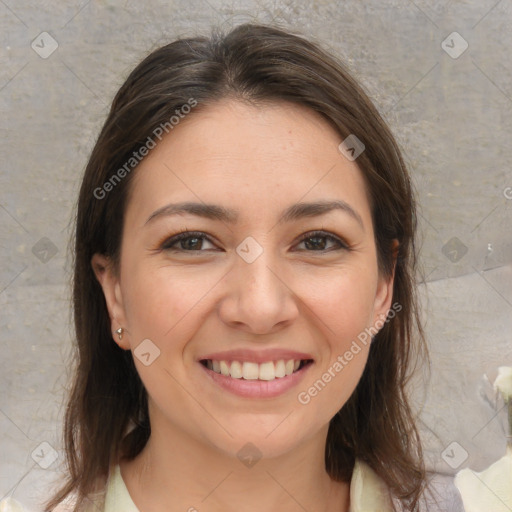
{"points": [[368, 493]]}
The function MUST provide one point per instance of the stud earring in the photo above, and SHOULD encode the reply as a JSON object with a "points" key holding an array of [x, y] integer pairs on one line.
{"points": [[120, 333]]}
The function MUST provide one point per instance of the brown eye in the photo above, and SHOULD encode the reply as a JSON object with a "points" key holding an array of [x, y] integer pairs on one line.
{"points": [[187, 241], [317, 241]]}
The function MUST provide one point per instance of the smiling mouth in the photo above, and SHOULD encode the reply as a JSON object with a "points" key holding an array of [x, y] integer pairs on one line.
{"points": [[247, 370]]}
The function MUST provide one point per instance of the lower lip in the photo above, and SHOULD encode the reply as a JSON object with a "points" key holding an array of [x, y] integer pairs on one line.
{"points": [[257, 388]]}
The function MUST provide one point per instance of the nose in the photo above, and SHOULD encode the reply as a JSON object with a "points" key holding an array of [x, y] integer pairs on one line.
{"points": [[258, 299]]}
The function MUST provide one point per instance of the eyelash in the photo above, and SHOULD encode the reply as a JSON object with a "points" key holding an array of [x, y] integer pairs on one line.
{"points": [[168, 243]]}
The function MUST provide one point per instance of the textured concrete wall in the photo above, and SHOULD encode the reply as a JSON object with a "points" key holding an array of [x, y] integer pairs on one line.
{"points": [[450, 105]]}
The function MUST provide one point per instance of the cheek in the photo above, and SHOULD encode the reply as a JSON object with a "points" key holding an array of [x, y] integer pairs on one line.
{"points": [[343, 300], [161, 299], [341, 307], [162, 305]]}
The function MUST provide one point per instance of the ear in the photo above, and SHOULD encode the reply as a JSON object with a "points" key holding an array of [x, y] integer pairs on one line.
{"points": [[109, 281], [384, 293]]}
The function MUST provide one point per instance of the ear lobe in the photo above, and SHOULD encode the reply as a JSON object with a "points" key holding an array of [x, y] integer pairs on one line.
{"points": [[103, 270]]}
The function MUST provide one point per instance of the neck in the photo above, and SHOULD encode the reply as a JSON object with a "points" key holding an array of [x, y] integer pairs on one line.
{"points": [[175, 472]]}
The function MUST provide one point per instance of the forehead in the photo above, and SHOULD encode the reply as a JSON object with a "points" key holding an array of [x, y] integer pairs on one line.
{"points": [[250, 158]]}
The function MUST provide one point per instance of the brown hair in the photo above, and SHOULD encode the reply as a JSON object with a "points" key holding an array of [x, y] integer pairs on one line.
{"points": [[252, 63]]}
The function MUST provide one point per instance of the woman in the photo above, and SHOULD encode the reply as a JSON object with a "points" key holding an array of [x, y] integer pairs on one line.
{"points": [[243, 290]]}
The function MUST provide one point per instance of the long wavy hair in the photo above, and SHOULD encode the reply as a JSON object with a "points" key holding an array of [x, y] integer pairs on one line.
{"points": [[107, 412]]}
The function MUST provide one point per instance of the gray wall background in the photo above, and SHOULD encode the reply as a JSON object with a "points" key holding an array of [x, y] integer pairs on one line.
{"points": [[452, 117]]}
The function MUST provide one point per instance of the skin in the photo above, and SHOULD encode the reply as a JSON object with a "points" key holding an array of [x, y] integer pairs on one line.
{"points": [[257, 161]]}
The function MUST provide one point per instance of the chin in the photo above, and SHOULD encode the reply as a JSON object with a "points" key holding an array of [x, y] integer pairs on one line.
{"points": [[252, 439]]}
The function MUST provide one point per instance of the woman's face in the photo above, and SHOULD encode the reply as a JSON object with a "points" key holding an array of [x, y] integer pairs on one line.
{"points": [[252, 284]]}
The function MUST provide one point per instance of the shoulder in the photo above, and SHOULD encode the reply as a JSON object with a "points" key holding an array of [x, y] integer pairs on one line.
{"points": [[110, 496], [117, 495], [65, 506], [368, 492], [11, 505]]}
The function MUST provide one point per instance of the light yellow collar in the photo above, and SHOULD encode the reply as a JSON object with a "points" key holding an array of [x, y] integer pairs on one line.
{"points": [[368, 492]]}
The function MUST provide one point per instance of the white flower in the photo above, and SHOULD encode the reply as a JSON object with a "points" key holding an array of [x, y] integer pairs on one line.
{"points": [[503, 382], [489, 490]]}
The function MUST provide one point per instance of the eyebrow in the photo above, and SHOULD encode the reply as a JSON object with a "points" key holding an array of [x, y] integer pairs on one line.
{"points": [[294, 212]]}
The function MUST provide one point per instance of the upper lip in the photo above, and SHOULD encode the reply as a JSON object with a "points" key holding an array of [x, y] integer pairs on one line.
{"points": [[256, 356]]}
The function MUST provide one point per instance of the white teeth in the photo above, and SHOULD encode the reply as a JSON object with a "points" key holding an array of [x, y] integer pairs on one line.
{"points": [[253, 371], [267, 371], [280, 369], [250, 371], [236, 370], [224, 368]]}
